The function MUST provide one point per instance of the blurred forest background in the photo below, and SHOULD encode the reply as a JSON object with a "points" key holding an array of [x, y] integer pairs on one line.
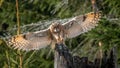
{"points": [[41, 13]]}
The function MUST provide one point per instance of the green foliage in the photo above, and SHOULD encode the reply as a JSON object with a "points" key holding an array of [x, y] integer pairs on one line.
{"points": [[113, 7], [31, 11]]}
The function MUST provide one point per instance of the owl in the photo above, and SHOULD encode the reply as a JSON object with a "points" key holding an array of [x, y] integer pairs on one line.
{"points": [[55, 33]]}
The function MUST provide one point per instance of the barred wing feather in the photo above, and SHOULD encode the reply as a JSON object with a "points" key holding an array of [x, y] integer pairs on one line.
{"points": [[81, 24], [31, 41]]}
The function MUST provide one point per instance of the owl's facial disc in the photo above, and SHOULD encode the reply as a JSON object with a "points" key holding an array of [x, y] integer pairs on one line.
{"points": [[56, 31], [55, 28]]}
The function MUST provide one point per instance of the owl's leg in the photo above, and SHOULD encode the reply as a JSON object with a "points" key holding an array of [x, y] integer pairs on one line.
{"points": [[53, 45]]}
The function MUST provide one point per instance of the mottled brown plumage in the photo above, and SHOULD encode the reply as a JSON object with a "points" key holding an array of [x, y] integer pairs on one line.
{"points": [[56, 33]]}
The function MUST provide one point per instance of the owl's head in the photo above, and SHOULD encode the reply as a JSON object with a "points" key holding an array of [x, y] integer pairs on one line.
{"points": [[57, 31], [56, 27]]}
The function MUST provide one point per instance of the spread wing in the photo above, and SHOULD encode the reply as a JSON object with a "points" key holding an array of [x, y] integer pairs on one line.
{"points": [[31, 41], [81, 24]]}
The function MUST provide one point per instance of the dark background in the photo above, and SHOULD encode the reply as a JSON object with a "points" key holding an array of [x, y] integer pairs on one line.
{"points": [[32, 11]]}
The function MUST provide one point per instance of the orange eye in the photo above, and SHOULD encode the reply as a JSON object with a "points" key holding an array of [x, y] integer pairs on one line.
{"points": [[55, 30]]}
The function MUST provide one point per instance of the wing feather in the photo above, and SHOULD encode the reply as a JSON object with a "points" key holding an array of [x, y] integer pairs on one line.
{"points": [[81, 24], [31, 41]]}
